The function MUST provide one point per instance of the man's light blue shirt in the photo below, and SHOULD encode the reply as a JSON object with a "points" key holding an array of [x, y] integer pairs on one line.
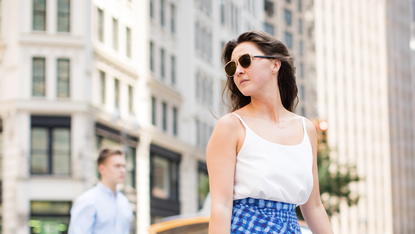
{"points": [[100, 211]]}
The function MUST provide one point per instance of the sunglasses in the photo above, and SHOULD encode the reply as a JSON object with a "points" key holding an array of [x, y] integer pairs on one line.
{"points": [[245, 60]]}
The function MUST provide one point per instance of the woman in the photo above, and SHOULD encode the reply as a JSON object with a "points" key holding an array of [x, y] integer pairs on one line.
{"points": [[262, 158]]}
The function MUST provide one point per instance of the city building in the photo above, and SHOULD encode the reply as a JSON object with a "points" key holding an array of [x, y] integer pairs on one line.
{"points": [[291, 21], [364, 91], [78, 75]]}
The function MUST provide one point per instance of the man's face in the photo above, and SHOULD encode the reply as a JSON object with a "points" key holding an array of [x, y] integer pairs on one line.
{"points": [[113, 169]]}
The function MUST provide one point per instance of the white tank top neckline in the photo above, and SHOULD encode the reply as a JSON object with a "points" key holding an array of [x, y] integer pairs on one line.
{"points": [[272, 171]]}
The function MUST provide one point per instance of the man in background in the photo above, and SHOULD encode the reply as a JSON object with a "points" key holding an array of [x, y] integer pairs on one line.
{"points": [[103, 209]]}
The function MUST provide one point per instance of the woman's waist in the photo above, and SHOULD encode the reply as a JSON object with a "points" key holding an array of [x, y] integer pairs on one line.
{"points": [[265, 209], [266, 204]]}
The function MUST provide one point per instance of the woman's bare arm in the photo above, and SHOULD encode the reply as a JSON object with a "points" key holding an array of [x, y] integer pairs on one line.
{"points": [[221, 161], [313, 211]]}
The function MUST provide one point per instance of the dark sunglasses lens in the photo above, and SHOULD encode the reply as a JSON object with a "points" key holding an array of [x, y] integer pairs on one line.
{"points": [[230, 68], [245, 60]]}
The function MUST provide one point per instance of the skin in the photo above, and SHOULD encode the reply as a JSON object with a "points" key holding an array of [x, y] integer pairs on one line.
{"points": [[112, 171], [260, 81]]}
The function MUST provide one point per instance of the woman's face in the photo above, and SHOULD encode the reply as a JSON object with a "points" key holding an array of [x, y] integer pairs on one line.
{"points": [[257, 77]]}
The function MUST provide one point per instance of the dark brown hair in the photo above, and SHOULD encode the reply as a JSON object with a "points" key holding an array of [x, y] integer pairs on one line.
{"points": [[270, 46], [107, 152]]}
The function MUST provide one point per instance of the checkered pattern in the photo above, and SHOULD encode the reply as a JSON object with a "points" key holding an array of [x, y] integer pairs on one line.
{"points": [[251, 216]]}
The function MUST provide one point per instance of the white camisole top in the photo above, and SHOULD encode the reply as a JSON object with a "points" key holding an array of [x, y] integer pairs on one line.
{"points": [[270, 171]]}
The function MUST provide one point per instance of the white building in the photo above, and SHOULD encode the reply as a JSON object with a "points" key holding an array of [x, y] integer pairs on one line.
{"points": [[364, 91], [76, 75], [291, 21]]}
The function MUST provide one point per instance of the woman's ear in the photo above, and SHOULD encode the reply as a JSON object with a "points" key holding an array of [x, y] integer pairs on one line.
{"points": [[276, 66]]}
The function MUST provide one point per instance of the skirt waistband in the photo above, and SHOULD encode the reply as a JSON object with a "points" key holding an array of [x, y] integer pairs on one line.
{"points": [[262, 203]]}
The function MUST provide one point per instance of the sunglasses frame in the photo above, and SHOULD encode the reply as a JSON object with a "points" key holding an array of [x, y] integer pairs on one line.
{"points": [[250, 59]]}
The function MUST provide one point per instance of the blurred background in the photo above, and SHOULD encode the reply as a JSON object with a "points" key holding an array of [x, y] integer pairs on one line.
{"points": [[146, 75]]}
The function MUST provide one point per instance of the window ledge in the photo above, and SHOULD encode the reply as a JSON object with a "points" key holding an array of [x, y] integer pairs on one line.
{"points": [[49, 176]]}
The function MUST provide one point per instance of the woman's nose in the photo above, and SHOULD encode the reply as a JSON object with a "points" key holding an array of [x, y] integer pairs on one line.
{"points": [[239, 70]]}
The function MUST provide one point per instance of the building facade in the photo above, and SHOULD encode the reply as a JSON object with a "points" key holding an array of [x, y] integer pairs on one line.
{"points": [[292, 23], [364, 91], [78, 75]]}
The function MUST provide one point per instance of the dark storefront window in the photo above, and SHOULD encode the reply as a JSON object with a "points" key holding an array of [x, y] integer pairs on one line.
{"points": [[108, 137], [164, 183], [49, 217], [50, 145], [203, 183]]}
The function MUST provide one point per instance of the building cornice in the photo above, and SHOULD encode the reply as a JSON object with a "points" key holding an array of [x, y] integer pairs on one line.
{"points": [[44, 106], [163, 88], [112, 60], [52, 40]]}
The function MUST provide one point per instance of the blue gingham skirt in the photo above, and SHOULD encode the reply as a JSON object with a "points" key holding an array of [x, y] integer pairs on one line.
{"points": [[252, 215]]}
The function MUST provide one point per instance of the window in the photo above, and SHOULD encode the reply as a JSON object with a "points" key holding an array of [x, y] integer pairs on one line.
{"points": [[198, 140], [64, 15], [197, 31], [153, 111], [173, 70], [162, 65], [164, 175], [301, 70], [175, 132], [102, 86], [300, 5], [164, 106], [109, 137], [39, 77], [287, 16], [130, 155], [164, 182], [300, 26], [63, 78], [151, 56], [203, 41], [203, 183], [162, 3], [128, 42], [302, 111], [301, 49], [49, 215], [114, 34], [222, 12], [39, 15], [130, 98], [117, 93], [288, 40], [152, 9], [288, 1], [197, 86], [269, 28], [100, 25], [269, 8], [50, 145], [413, 10], [173, 18], [302, 92]]}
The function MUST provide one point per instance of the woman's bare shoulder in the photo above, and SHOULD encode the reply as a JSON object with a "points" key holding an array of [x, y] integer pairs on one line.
{"points": [[228, 122]]}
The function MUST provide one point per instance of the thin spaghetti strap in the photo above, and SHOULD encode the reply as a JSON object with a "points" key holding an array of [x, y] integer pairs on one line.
{"points": [[239, 117], [304, 127]]}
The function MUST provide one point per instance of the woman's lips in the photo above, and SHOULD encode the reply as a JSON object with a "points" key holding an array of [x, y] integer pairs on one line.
{"points": [[243, 82]]}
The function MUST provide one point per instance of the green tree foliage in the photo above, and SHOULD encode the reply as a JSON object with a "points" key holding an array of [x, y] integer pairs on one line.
{"points": [[334, 180]]}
